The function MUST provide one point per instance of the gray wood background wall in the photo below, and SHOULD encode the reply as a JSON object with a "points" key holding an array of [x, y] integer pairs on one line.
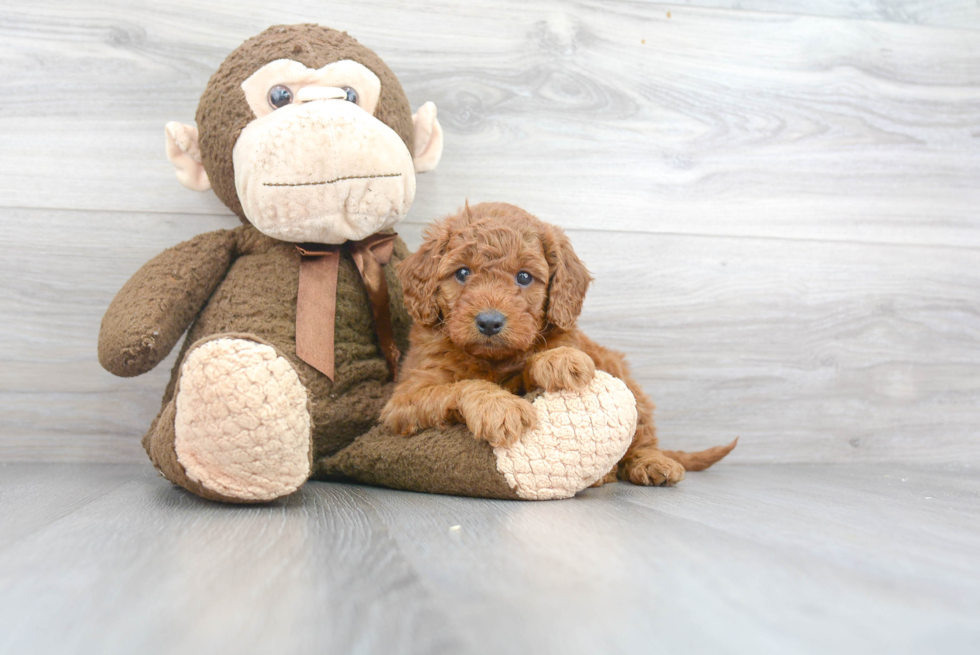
{"points": [[778, 199]]}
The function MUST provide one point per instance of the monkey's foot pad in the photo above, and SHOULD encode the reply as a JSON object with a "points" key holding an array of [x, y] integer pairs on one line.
{"points": [[242, 426], [580, 436]]}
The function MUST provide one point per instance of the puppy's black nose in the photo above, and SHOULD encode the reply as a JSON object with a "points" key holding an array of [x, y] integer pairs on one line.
{"points": [[490, 322]]}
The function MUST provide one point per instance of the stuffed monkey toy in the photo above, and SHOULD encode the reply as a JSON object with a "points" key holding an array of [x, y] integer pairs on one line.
{"points": [[295, 320]]}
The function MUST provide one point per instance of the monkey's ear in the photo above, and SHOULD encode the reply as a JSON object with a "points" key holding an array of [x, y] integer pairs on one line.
{"points": [[428, 138], [569, 279], [184, 152]]}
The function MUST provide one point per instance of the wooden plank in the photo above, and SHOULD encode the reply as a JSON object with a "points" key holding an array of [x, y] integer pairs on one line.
{"points": [[723, 123], [956, 14], [738, 559], [841, 351], [610, 115], [148, 568], [33, 496], [810, 351]]}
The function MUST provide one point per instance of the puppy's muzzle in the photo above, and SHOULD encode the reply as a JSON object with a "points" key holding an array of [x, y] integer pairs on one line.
{"points": [[490, 322]]}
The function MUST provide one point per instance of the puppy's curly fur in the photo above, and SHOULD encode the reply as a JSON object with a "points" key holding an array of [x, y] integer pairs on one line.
{"points": [[495, 294]]}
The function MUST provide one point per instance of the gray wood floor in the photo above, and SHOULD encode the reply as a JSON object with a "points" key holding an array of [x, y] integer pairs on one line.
{"points": [[740, 559]]}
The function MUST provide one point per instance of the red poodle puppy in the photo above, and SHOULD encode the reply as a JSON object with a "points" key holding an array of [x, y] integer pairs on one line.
{"points": [[495, 294]]}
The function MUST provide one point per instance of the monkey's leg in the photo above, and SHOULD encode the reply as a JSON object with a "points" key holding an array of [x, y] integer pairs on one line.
{"points": [[238, 427], [579, 437]]}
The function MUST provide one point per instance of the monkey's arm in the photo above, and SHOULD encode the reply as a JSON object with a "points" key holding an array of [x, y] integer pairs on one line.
{"points": [[156, 305]]}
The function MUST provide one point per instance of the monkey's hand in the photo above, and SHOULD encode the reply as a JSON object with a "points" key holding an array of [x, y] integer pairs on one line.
{"points": [[151, 311], [562, 368]]}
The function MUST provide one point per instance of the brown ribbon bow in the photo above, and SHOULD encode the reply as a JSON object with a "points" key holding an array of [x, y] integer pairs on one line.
{"points": [[316, 304]]}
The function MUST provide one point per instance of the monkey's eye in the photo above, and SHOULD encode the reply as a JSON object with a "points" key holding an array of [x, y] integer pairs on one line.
{"points": [[351, 94], [280, 96], [462, 274], [524, 278]]}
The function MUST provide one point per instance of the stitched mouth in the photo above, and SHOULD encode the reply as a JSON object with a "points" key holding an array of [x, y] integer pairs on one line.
{"points": [[336, 179]]}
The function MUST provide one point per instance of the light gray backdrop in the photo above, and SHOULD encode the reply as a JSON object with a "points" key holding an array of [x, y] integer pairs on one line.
{"points": [[780, 209]]}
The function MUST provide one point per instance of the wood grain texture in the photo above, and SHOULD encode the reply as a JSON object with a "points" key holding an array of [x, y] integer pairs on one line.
{"points": [[780, 210], [738, 559], [957, 14], [612, 114], [175, 575], [809, 351], [33, 498], [845, 351]]}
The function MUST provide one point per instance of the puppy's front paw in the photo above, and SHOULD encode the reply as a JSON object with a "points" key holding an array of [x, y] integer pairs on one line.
{"points": [[400, 418], [499, 418], [562, 368]]}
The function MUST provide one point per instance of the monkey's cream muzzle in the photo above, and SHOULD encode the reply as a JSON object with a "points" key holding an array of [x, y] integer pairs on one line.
{"points": [[322, 171]]}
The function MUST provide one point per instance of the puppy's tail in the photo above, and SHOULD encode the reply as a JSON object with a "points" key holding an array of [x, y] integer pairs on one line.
{"points": [[702, 459]]}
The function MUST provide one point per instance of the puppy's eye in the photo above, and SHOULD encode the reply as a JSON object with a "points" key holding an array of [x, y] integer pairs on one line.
{"points": [[462, 274], [280, 96], [351, 94], [524, 278]]}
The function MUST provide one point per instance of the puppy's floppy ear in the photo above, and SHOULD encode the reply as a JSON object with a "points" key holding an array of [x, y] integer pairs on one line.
{"points": [[569, 279], [419, 275]]}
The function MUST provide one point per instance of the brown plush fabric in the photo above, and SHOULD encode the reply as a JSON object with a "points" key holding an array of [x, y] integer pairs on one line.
{"points": [[448, 461], [159, 445], [152, 310], [223, 112], [159, 441], [257, 299]]}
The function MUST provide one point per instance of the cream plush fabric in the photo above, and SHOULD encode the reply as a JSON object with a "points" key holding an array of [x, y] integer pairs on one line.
{"points": [[290, 190], [242, 425], [548, 462]]}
